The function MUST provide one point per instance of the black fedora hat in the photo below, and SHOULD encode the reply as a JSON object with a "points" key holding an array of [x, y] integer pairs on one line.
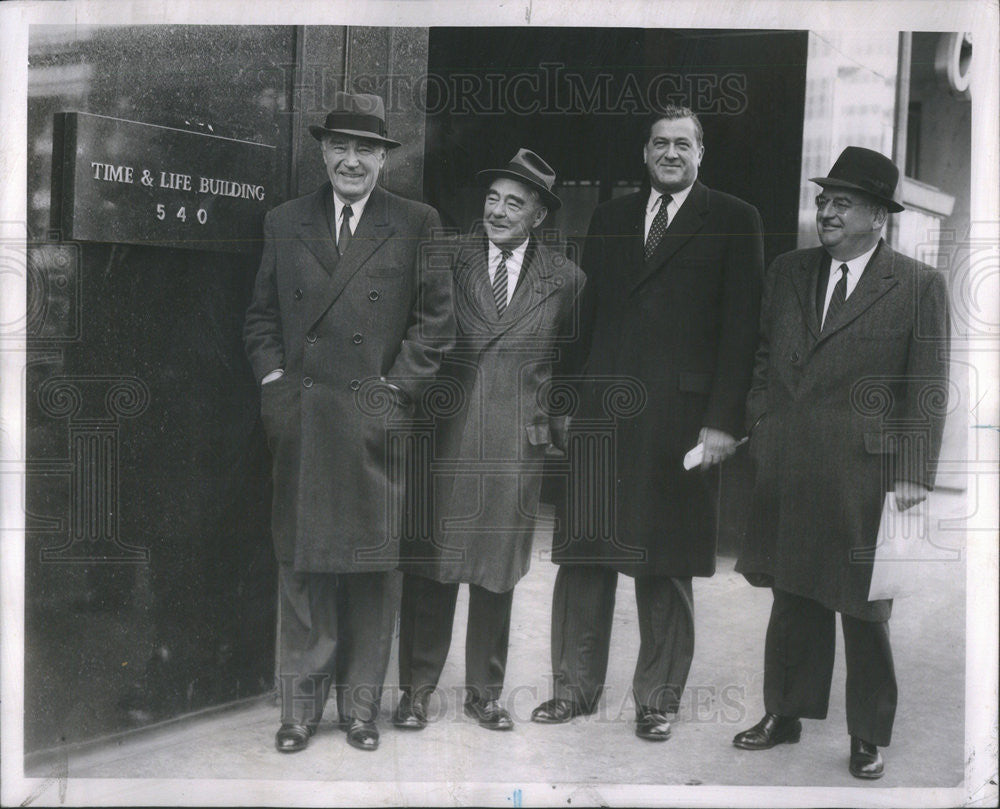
{"points": [[867, 171], [530, 169], [359, 114]]}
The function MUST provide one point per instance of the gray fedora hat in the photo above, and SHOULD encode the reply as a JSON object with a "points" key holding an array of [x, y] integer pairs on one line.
{"points": [[867, 171], [361, 115], [528, 168]]}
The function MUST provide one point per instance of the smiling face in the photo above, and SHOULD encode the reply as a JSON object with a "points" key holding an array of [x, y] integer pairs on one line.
{"points": [[673, 154], [847, 222], [352, 164], [511, 210]]}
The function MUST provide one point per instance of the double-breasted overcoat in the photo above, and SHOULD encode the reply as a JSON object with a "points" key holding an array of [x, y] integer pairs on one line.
{"points": [[667, 349], [492, 417], [338, 326], [842, 413]]}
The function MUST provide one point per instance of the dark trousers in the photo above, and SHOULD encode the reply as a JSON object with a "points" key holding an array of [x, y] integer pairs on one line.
{"points": [[335, 630], [798, 666], [427, 614], [583, 606]]}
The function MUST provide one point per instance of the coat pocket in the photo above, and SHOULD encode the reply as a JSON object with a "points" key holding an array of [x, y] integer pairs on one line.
{"points": [[878, 442], [689, 382]]}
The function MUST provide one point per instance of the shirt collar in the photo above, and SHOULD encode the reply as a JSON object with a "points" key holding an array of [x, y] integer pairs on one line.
{"points": [[678, 197], [517, 253], [856, 265], [357, 208]]}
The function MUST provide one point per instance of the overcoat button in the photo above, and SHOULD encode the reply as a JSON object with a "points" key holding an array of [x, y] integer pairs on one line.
{"points": [[357, 339], [298, 294], [373, 295], [307, 382], [355, 384], [795, 356], [311, 338]]}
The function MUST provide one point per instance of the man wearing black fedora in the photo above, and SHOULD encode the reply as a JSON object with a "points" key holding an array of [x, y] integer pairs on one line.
{"points": [[848, 395], [515, 306], [346, 328]]}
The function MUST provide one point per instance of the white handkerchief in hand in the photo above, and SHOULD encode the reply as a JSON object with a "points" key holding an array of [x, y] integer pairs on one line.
{"points": [[694, 457]]}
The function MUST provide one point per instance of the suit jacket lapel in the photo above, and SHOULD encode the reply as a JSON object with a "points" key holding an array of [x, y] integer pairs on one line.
{"points": [[314, 231], [373, 229], [687, 221], [875, 281]]}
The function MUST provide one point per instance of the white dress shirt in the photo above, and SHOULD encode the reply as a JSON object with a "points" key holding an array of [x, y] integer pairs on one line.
{"points": [[513, 265], [855, 267], [653, 205]]}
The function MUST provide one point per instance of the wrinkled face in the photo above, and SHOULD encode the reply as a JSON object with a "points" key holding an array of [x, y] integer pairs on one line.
{"points": [[352, 164], [511, 210], [673, 154], [847, 222]]}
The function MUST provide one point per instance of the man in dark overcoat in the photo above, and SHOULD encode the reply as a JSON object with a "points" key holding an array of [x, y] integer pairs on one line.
{"points": [[516, 310], [849, 393], [345, 329], [670, 310]]}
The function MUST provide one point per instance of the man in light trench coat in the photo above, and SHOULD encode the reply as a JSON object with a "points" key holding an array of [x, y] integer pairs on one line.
{"points": [[516, 311], [848, 396], [346, 328]]}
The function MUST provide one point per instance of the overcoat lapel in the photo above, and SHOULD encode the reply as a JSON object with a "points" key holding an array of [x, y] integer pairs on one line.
{"points": [[372, 231], [314, 231], [875, 281], [686, 223], [472, 279], [805, 281]]}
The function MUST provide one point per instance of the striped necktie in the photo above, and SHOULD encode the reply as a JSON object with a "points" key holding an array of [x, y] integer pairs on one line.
{"points": [[500, 282]]}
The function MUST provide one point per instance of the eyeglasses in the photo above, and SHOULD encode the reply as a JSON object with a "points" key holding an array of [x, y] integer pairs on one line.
{"points": [[840, 204]]}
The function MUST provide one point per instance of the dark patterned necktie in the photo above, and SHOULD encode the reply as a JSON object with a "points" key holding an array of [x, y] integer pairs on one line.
{"points": [[500, 282], [345, 229], [658, 226], [839, 296]]}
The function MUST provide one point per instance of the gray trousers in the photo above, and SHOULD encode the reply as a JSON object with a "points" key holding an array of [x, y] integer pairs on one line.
{"points": [[335, 631], [583, 606]]}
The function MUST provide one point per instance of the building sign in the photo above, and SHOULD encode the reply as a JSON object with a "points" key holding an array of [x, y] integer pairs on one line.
{"points": [[134, 183]]}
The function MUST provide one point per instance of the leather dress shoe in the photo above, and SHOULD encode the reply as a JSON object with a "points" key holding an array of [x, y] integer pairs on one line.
{"points": [[291, 738], [651, 724], [489, 714], [362, 735], [556, 711], [411, 714], [769, 731], [866, 760]]}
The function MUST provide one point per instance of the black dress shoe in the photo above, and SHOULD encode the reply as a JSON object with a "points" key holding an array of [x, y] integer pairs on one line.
{"points": [[556, 711], [866, 760], [411, 714], [651, 724], [489, 714], [769, 731], [291, 738], [362, 735]]}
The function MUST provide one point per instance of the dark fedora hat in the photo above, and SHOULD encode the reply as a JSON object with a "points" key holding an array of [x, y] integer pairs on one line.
{"points": [[864, 170], [530, 169], [359, 114]]}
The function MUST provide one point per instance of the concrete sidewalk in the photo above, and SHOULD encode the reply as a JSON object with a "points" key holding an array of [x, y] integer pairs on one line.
{"points": [[723, 696]]}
